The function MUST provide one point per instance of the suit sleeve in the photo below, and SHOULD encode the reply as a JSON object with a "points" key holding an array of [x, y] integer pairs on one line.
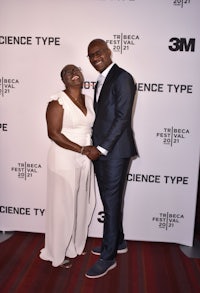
{"points": [[124, 91]]}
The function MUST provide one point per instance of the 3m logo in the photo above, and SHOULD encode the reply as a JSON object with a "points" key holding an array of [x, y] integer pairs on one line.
{"points": [[181, 44]]}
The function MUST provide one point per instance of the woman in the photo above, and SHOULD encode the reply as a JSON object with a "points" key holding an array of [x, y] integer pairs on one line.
{"points": [[70, 175]]}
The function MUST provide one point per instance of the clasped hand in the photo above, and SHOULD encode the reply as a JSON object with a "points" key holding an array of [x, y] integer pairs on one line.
{"points": [[91, 152]]}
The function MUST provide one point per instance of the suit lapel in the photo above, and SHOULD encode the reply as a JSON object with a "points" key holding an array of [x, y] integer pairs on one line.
{"points": [[95, 100], [105, 88], [107, 82]]}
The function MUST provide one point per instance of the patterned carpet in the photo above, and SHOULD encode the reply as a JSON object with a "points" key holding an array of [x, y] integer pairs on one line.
{"points": [[147, 267]]}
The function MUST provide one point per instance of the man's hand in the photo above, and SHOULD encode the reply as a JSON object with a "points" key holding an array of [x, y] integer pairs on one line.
{"points": [[91, 152]]}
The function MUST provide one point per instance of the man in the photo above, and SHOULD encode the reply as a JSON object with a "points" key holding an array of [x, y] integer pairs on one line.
{"points": [[113, 148]]}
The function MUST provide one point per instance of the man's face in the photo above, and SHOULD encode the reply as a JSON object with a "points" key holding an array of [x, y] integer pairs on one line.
{"points": [[99, 56]]}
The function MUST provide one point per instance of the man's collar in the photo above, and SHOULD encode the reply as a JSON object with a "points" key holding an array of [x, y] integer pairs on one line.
{"points": [[105, 72]]}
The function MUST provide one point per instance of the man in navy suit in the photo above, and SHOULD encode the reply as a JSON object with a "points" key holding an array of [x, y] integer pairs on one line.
{"points": [[113, 148]]}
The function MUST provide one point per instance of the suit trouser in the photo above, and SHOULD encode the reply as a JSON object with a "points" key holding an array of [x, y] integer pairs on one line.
{"points": [[111, 177]]}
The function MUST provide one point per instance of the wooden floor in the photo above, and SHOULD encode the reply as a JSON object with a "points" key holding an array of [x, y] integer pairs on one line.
{"points": [[147, 267]]}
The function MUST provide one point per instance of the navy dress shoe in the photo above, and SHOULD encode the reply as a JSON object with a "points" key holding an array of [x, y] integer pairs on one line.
{"points": [[101, 268], [122, 248]]}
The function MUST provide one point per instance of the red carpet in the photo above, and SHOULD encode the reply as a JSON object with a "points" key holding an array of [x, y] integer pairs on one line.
{"points": [[147, 267]]}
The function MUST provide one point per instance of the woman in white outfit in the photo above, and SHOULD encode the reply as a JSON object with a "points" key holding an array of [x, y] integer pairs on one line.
{"points": [[70, 175]]}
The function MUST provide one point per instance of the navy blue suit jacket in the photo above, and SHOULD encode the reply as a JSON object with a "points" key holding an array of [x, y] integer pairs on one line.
{"points": [[112, 127]]}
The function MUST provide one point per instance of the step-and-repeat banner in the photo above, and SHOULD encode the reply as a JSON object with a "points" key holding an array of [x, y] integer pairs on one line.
{"points": [[158, 43]]}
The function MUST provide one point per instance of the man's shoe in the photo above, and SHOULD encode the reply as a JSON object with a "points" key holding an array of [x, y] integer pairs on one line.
{"points": [[101, 268], [122, 248]]}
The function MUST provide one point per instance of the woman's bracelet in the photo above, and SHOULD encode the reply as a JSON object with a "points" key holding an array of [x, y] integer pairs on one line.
{"points": [[82, 149]]}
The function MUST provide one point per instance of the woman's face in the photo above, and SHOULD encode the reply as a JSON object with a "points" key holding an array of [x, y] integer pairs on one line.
{"points": [[72, 76]]}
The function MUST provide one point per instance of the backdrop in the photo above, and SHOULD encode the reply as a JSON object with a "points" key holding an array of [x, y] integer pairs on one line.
{"points": [[158, 43]]}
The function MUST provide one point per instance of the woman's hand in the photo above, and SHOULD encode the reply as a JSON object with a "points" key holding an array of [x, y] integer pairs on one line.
{"points": [[91, 152]]}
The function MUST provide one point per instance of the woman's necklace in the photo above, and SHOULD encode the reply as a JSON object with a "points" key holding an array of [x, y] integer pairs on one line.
{"points": [[76, 101]]}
